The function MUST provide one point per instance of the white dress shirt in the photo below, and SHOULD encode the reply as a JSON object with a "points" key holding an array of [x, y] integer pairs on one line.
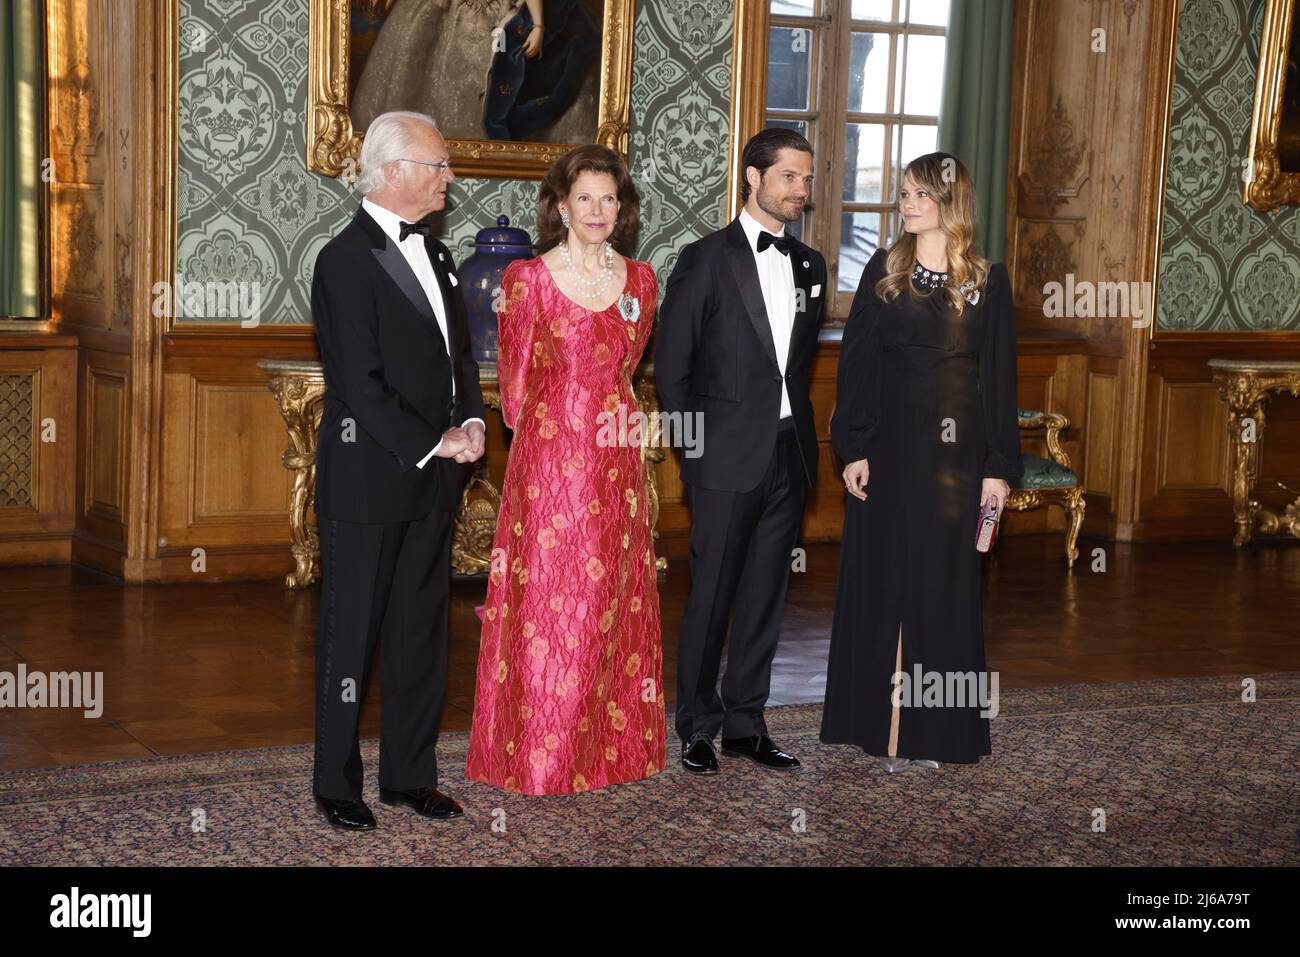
{"points": [[413, 248], [776, 279]]}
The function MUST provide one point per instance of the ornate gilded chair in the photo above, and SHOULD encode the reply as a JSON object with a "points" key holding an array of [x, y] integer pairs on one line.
{"points": [[1050, 481]]}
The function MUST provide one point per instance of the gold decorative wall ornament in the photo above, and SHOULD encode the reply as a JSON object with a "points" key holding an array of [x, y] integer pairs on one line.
{"points": [[332, 142], [1273, 175], [476, 520], [299, 388]]}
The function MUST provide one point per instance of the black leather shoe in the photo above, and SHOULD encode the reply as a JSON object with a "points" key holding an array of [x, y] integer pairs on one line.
{"points": [[759, 748], [346, 814], [427, 801], [698, 757]]}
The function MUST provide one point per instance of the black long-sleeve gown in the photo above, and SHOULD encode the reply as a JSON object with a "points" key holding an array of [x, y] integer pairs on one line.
{"points": [[929, 400]]}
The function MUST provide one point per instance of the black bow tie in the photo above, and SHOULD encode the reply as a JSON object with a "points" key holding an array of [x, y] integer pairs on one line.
{"points": [[782, 243], [405, 229]]}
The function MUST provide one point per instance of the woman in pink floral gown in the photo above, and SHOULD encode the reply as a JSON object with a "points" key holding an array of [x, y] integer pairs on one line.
{"points": [[569, 694]]}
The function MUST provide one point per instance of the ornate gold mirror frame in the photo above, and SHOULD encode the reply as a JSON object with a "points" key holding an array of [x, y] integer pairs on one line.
{"points": [[332, 142], [1268, 184]]}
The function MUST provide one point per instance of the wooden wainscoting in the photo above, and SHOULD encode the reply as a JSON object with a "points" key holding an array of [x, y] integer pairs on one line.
{"points": [[38, 438], [1183, 474], [104, 390], [223, 487]]}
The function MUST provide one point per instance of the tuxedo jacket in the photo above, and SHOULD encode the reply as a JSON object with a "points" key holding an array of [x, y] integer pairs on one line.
{"points": [[388, 379], [714, 354]]}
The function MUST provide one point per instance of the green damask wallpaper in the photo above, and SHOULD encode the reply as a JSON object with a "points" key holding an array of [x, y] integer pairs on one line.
{"points": [[1223, 266], [248, 209]]}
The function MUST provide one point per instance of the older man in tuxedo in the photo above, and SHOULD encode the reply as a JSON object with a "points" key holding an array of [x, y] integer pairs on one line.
{"points": [[402, 415]]}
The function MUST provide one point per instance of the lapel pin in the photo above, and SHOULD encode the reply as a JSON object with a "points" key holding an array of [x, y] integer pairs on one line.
{"points": [[441, 257], [805, 264]]}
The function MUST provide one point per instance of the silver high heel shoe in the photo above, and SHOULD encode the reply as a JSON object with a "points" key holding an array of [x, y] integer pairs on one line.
{"points": [[892, 764], [925, 762]]}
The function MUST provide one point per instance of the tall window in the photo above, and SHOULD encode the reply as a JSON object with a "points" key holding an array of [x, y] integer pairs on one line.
{"points": [[862, 80]]}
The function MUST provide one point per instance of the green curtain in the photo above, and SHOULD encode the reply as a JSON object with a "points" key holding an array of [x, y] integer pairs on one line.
{"points": [[975, 113], [22, 84]]}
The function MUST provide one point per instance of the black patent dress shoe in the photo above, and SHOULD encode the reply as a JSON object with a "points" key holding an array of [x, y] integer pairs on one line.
{"points": [[427, 801], [346, 814], [698, 757], [759, 748]]}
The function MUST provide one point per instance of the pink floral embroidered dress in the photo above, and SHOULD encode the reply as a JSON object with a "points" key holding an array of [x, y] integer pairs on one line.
{"points": [[570, 693]]}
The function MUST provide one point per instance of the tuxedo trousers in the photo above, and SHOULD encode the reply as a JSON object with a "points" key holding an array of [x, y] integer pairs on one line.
{"points": [[740, 554], [386, 583]]}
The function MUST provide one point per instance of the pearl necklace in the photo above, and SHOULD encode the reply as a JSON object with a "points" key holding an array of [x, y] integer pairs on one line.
{"points": [[931, 280], [594, 287]]}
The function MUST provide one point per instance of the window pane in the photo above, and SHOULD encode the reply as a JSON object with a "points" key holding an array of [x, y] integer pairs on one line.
{"points": [[794, 8], [915, 141], [864, 156], [931, 12], [924, 75], [788, 57], [873, 9], [868, 72], [799, 126], [859, 239]]}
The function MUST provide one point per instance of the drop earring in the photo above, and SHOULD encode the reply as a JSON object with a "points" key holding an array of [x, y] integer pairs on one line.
{"points": [[564, 218]]}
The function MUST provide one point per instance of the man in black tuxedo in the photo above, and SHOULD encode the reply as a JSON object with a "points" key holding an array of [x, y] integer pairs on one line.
{"points": [[737, 334], [402, 414]]}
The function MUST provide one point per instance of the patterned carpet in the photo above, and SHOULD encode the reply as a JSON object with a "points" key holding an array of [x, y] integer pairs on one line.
{"points": [[1185, 771]]}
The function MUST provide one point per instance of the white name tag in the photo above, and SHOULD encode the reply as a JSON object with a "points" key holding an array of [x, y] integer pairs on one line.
{"points": [[817, 289]]}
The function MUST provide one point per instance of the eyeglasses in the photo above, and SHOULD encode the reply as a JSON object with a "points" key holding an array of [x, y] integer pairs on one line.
{"points": [[442, 168]]}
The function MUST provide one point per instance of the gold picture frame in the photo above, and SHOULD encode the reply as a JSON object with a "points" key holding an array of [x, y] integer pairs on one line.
{"points": [[1273, 177], [332, 142]]}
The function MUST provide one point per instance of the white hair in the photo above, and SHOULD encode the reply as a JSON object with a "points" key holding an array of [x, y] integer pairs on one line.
{"points": [[388, 138]]}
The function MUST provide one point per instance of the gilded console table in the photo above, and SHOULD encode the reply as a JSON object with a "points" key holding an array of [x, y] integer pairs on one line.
{"points": [[299, 387], [1246, 387]]}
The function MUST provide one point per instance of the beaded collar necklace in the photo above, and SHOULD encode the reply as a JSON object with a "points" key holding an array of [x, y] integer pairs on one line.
{"points": [[928, 279]]}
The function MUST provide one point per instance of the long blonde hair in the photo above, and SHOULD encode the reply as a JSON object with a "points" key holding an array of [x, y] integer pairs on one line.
{"points": [[949, 183]]}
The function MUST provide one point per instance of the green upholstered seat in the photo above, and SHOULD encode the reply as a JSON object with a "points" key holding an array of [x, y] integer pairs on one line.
{"points": [[1044, 473], [1050, 481]]}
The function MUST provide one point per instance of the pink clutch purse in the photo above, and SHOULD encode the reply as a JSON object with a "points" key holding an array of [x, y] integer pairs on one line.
{"points": [[987, 532]]}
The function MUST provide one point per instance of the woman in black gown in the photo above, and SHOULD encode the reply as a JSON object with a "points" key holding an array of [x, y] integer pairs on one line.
{"points": [[925, 420]]}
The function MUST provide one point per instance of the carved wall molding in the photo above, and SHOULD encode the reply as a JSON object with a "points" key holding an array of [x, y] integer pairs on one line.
{"points": [[1053, 176], [123, 284]]}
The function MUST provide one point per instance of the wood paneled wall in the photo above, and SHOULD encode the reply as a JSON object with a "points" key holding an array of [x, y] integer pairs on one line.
{"points": [[38, 447], [1091, 95], [93, 118], [223, 486], [178, 440], [1079, 204], [1184, 481]]}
